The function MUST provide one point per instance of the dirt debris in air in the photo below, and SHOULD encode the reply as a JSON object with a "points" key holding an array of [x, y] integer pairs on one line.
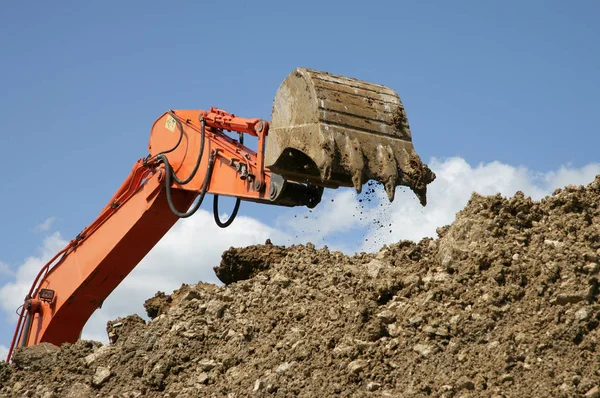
{"points": [[503, 304]]}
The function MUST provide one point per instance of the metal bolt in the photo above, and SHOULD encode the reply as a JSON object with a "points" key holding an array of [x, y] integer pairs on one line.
{"points": [[272, 191]]}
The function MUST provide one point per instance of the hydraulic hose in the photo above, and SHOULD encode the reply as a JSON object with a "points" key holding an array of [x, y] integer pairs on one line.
{"points": [[236, 207], [203, 190], [200, 153], [231, 217], [180, 134], [198, 160], [171, 175]]}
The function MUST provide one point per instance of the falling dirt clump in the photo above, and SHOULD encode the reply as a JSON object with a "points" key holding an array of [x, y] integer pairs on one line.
{"points": [[503, 304]]}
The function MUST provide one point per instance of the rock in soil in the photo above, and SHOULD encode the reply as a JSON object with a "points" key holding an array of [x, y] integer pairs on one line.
{"points": [[504, 303]]}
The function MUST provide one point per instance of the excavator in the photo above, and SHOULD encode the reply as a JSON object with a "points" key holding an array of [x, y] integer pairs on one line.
{"points": [[326, 131]]}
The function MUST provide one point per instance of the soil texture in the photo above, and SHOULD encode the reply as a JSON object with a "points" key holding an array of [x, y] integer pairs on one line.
{"points": [[504, 303]]}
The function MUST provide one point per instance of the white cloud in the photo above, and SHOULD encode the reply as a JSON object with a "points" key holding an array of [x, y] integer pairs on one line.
{"points": [[571, 175], [5, 269], [13, 293], [3, 352], [449, 193], [45, 226], [188, 252]]}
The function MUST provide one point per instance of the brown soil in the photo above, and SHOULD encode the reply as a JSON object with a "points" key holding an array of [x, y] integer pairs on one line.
{"points": [[503, 304]]}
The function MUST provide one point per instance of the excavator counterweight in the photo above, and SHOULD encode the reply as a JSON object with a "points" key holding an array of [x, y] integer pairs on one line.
{"points": [[326, 131]]}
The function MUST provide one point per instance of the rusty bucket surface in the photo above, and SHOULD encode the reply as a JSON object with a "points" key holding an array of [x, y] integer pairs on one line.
{"points": [[333, 131]]}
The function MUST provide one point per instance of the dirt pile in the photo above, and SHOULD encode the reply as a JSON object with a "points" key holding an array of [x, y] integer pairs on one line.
{"points": [[503, 304]]}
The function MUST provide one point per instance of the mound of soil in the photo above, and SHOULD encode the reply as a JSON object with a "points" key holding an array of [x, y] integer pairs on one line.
{"points": [[503, 304]]}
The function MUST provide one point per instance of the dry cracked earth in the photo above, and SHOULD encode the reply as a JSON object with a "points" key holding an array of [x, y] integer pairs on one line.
{"points": [[504, 303]]}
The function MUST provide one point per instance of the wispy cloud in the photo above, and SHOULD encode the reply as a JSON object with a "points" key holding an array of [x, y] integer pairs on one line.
{"points": [[45, 226], [449, 193], [5, 270], [13, 292], [3, 352]]}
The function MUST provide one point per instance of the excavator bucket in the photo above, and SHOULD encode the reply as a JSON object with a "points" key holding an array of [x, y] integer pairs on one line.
{"points": [[333, 131]]}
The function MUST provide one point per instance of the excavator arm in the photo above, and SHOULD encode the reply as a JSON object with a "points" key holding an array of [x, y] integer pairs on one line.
{"points": [[330, 131], [190, 156]]}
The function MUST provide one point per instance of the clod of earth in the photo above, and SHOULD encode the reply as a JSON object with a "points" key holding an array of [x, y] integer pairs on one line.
{"points": [[504, 303]]}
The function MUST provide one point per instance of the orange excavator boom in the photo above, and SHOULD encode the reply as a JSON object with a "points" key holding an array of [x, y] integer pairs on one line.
{"points": [[326, 131], [188, 143]]}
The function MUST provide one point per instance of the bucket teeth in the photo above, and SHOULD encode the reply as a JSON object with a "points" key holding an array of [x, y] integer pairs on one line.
{"points": [[357, 180], [357, 163], [325, 172], [325, 163], [390, 188], [389, 169], [334, 131]]}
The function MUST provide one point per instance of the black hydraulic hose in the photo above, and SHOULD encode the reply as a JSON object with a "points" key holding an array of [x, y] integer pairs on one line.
{"points": [[236, 207], [200, 153], [233, 214], [170, 174], [198, 160], [180, 134], [196, 206]]}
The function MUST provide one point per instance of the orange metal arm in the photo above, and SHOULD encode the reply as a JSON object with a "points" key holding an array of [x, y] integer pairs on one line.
{"points": [[93, 265], [168, 129], [79, 278]]}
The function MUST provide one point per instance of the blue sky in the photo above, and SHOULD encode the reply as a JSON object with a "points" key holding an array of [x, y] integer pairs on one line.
{"points": [[82, 83]]}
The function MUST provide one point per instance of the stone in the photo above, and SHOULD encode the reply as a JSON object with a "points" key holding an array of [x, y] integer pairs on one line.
{"points": [[271, 388], [90, 359], [101, 376], [281, 280], [374, 267], [103, 350], [581, 314], [215, 308], [207, 364], [283, 367], [386, 316], [372, 386], [429, 329], [465, 384], [424, 350], [202, 378], [591, 268], [357, 366], [594, 392], [569, 298], [258, 385], [554, 243], [190, 295], [394, 330]]}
